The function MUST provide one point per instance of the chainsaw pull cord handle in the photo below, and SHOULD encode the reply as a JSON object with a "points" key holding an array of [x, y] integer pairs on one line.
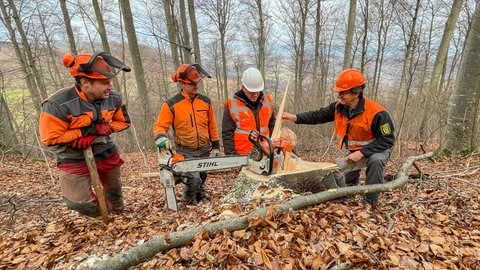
{"points": [[255, 137]]}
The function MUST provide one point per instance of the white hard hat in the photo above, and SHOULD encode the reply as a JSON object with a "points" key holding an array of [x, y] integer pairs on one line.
{"points": [[252, 80]]}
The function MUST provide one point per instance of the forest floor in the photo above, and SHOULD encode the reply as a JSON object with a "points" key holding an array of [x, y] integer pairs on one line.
{"points": [[432, 222]]}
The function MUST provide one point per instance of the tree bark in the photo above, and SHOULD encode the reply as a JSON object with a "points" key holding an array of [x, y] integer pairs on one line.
{"points": [[147, 250], [461, 136]]}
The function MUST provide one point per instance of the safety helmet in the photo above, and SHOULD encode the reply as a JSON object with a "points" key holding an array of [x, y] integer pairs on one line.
{"points": [[252, 80], [189, 74], [348, 79], [98, 66]]}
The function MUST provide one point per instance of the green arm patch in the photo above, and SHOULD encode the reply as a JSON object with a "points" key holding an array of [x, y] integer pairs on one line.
{"points": [[385, 128]]}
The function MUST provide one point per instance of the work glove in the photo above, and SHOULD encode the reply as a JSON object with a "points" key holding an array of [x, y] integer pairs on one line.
{"points": [[163, 142], [101, 129], [83, 142], [215, 153]]}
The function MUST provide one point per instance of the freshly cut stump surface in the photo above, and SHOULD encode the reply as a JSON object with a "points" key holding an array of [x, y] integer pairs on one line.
{"points": [[307, 177]]}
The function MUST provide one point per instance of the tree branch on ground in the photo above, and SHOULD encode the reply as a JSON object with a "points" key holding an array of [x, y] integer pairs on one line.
{"points": [[147, 250]]}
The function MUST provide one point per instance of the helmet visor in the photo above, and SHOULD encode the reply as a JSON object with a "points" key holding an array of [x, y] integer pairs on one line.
{"points": [[109, 67]]}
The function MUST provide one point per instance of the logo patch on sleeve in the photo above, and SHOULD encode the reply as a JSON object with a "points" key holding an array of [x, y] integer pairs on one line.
{"points": [[385, 128]]}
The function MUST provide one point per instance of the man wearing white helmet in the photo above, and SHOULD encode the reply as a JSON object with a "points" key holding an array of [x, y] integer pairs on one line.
{"points": [[249, 109]]}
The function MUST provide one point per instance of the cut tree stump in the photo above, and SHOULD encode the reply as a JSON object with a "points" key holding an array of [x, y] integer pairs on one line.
{"points": [[306, 177]]}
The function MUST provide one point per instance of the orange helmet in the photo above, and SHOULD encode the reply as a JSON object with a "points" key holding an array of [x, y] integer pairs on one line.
{"points": [[189, 74], [348, 79], [97, 66]]}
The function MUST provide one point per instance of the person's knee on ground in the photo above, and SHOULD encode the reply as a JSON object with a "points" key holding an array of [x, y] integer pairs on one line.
{"points": [[87, 208]]}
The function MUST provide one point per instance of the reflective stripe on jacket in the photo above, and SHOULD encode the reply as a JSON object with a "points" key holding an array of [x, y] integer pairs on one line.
{"points": [[193, 121], [356, 132], [246, 121]]}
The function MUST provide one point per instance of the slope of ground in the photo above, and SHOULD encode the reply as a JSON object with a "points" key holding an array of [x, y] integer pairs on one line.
{"points": [[431, 223]]}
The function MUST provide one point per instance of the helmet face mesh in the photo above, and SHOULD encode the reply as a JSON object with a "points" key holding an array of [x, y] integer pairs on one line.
{"points": [[97, 66]]}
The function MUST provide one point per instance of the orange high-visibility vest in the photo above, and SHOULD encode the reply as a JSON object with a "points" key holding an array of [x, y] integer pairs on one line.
{"points": [[245, 121], [358, 129]]}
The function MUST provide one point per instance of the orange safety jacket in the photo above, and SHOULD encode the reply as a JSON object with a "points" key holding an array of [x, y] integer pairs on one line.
{"points": [[245, 121], [356, 132], [65, 113], [193, 121]]}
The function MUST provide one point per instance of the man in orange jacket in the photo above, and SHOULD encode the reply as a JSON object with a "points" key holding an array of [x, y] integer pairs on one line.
{"points": [[249, 109], [85, 115], [195, 130], [362, 125]]}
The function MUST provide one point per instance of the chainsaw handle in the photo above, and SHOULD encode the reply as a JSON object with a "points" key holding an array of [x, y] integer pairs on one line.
{"points": [[165, 156], [256, 138]]}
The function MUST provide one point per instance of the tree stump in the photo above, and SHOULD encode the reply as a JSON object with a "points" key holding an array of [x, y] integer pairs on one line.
{"points": [[306, 177]]}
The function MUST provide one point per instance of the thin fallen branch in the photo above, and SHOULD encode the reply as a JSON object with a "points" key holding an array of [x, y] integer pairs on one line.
{"points": [[148, 249]]}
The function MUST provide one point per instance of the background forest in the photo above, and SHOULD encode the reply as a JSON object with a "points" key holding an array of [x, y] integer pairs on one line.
{"points": [[422, 62], [410, 52]]}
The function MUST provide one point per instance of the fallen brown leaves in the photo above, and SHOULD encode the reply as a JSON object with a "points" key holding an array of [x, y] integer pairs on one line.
{"points": [[431, 223]]}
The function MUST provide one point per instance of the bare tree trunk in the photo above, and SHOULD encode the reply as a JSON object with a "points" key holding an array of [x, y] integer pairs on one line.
{"points": [[433, 89], [406, 78], [186, 34], [147, 115], [8, 14], [8, 139], [68, 27], [195, 40], [352, 13], [460, 136], [103, 34], [171, 29]]}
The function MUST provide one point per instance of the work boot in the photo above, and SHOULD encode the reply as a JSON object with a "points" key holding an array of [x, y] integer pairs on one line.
{"points": [[202, 193], [88, 209], [115, 197], [190, 192]]}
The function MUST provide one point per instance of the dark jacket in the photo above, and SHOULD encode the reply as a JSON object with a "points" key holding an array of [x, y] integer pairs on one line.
{"points": [[383, 139]]}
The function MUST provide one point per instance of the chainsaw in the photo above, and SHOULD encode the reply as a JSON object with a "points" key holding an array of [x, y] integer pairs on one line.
{"points": [[265, 159]]}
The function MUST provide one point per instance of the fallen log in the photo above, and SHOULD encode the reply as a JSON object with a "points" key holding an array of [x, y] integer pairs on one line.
{"points": [[147, 250]]}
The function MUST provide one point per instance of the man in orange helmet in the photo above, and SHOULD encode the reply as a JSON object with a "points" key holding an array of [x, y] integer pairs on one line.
{"points": [[85, 115], [362, 125], [192, 117]]}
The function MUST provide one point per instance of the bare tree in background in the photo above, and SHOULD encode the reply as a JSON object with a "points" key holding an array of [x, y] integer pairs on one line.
{"points": [[68, 26], [220, 13], [432, 91], [409, 30], [352, 14], [172, 29], [461, 136], [8, 139], [23, 53], [146, 115], [384, 12]]}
